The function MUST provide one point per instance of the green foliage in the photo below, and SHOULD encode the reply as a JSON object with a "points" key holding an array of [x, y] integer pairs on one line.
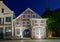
{"points": [[53, 22]]}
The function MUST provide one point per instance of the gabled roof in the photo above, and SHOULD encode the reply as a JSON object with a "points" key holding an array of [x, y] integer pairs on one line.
{"points": [[7, 10], [27, 11]]}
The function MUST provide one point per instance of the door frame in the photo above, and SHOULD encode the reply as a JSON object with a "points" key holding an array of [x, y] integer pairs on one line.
{"points": [[29, 35]]}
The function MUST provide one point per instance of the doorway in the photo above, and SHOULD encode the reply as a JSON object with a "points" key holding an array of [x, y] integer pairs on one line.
{"points": [[1, 33], [26, 33]]}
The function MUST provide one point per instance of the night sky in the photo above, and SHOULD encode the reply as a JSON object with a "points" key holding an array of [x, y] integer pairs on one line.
{"points": [[18, 6]]}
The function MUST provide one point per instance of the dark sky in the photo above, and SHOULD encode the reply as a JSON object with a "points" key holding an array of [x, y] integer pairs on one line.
{"points": [[18, 6]]}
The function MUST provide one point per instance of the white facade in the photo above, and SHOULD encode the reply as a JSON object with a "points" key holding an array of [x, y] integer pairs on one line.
{"points": [[6, 17], [22, 24], [38, 28]]}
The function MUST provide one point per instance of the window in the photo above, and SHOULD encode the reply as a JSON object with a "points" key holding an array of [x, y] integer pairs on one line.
{"points": [[23, 16], [2, 10], [18, 31], [8, 31], [8, 19], [23, 22], [37, 30], [1, 30], [37, 16], [17, 22], [42, 21], [0, 20], [35, 21], [28, 16], [33, 16], [27, 22]]}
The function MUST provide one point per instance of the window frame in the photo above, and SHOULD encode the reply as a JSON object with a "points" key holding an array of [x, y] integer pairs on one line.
{"points": [[8, 19], [28, 16], [9, 33], [24, 16], [23, 22], [35, 22], [41, 21], [33, 16], [1, 20], [2, 10]]}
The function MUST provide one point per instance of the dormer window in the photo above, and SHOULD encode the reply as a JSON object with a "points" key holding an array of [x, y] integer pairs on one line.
{"points": [[2, 10]]}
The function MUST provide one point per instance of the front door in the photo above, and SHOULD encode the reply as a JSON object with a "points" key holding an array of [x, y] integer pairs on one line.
{"points": [[1, 33], [26, 33]]}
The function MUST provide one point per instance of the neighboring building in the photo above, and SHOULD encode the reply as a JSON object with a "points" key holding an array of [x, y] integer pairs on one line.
{"points": [[38, 27], [6, 17], [21, 26]]}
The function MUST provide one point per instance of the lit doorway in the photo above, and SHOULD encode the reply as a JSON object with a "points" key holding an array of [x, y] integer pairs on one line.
{"points": [[26, 33]]}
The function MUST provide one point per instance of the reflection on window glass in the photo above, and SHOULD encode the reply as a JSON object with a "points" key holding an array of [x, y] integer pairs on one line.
{"points": [[8, 31]]}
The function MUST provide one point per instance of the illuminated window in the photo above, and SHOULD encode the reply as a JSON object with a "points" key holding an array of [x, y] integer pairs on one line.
{"points": [[8, 31]]}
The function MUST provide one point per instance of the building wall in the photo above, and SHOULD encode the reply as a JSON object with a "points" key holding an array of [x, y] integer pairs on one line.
{"points": [[23, 20], [5, 12], [38, 28], [6, 9]]}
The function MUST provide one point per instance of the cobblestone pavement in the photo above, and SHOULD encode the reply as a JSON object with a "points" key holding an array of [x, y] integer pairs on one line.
{"points": [[55, 40]]}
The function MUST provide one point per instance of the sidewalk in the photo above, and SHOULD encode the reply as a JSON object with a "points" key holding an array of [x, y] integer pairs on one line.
{"points": [[52, 38]]}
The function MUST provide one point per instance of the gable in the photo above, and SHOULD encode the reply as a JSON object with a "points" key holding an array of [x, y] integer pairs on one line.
{"points": [[6, 9], [27, 12]]}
